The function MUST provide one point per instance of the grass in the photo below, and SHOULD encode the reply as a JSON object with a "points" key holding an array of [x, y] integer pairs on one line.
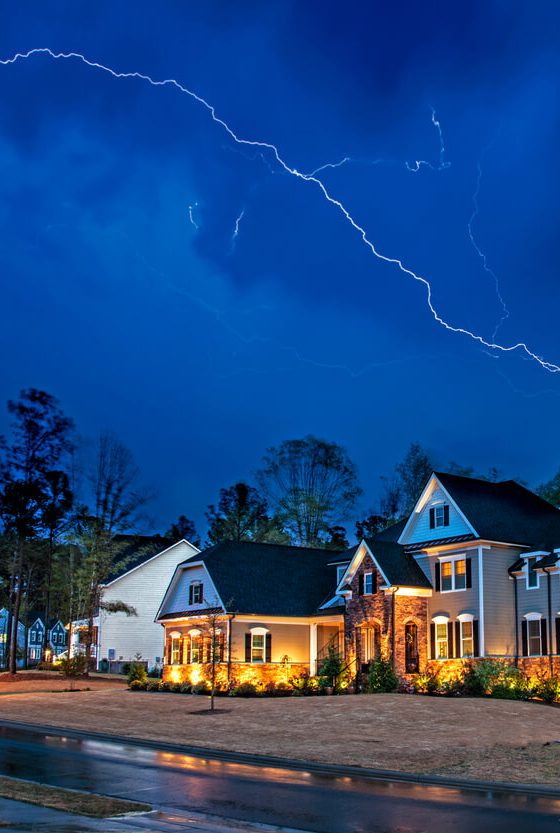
{"points": [[71, 801]]}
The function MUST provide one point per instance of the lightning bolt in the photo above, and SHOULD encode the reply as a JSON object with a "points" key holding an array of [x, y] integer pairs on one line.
{"points": [[481, 254], [235, 234], [496, 347], [191, 217]]}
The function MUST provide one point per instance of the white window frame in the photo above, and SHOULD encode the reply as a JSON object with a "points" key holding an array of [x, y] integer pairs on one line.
{"points": [[370, 591], [452, 559], [534, 559], [195, 633], [196, 587], [259, 632], [436, 507], [466, 618], [533, 617], [340, 571]]}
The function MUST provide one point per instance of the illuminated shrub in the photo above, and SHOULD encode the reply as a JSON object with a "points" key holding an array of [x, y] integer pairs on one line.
{"points": [[381, 676], [245, 690]]}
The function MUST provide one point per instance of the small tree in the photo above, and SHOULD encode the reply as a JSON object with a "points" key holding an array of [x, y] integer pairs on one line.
{"points": [[73, 667], [331, 667]]}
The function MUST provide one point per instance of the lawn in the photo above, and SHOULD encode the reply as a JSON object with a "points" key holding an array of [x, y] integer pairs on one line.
{"points": [[71, 801], [472, 738]]}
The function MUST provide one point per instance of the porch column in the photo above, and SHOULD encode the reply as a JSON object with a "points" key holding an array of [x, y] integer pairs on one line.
{"points": [[313, 649]]}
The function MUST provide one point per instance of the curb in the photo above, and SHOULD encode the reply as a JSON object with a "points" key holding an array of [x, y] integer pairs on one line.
{"points": [[340, 770]]}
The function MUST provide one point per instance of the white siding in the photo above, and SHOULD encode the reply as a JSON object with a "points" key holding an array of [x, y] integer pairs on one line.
{"points": [[143, 588], [419, 529]]}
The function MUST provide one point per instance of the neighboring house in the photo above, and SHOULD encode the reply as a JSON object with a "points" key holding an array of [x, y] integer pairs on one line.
{"points": [[20, 662], [35, 640], [266, 603], [473, 572], [56, 638], [150, 563]]}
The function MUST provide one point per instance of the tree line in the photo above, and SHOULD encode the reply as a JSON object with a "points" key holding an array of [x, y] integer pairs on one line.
{"points": [[68, 510]]}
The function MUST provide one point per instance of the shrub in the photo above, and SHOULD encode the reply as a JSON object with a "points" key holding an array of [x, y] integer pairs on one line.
{"points": [[548, 689], [304, 685], [331, 667], [47, 666], [453, 687], [427, 683], [186, 688], [245, 690], [381, 676], [137, 685], [73, 666], [165, 685], [137, 671], [201, 688], [152, 685], [283, 690]]}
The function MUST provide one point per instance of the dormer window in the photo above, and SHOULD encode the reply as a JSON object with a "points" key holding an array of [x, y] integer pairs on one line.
{"points": [[532, 577], [195, 593], [339, 573], [439, 515]]}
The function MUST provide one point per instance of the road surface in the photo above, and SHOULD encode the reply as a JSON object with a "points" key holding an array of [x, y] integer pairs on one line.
{"points": [[288, 798]]}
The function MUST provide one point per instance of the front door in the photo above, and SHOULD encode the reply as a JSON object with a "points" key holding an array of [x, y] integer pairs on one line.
{"points": [[411, 648]]}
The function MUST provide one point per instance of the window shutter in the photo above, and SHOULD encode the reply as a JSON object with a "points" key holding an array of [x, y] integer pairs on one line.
{"points": [[476, 642], [468, 568], [438, 576], [268, 648], [544, 640], [191, 594], [374, 581], [432, 518], [558, 634], [361, 584], [247, 647], [524, 645], [432, 640], [169, 657], [458, 646], [446, 514], [450, 651]]}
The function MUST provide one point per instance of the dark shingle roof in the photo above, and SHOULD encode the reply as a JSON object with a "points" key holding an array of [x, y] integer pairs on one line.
{"points": [[400, 568], [505, 511], [268, 578], [133, 550]]}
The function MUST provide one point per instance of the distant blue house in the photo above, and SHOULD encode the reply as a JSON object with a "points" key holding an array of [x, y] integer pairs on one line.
{"points": [[21, 639], [56, 637]]}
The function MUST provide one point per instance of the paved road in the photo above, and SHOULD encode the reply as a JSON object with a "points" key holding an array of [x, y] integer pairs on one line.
{"points": [[277, 797]]}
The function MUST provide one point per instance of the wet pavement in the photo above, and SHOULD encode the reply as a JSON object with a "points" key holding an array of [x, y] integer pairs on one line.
{"points": [[192, 792]]}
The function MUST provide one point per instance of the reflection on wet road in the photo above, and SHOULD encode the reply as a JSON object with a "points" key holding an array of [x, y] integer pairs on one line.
{"points": [[291, 798]]}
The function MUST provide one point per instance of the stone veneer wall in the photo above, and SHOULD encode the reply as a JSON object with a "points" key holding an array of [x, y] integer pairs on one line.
{"points": [[378, 609], [240, 672]]}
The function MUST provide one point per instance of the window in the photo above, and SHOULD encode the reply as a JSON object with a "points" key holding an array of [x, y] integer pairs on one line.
{"points": [[441, 641], [32, 636], [257, 647], [467, 640], [439, 515], [534, 637], [371, 637], [339, 573], [453, 575], [175, 650], [368, 584], [531, 576], [196, 648], [195, 593]]}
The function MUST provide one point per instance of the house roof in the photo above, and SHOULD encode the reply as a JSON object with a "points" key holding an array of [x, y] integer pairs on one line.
{"points": [[194, 614], [504, 511], [134, 550], [400, 568], [270, 579]]}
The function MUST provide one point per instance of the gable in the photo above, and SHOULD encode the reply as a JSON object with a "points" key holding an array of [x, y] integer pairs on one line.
{"points": [[363, 556], [156, 565], [177, 598], [418, 527]]}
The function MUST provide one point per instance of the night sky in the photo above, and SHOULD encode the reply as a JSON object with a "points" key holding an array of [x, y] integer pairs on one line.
{"points": [[200, 347]]}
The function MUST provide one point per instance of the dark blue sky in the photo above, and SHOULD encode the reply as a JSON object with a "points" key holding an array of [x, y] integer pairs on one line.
{"points": [[200, 349]]}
